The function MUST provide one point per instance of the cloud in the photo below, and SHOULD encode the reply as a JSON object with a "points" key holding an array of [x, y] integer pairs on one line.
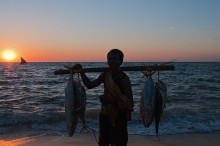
{"points": [[214, 38], [172, 28]]}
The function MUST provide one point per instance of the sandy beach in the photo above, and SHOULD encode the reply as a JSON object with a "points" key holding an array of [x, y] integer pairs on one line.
{"points": [[53, 138]]}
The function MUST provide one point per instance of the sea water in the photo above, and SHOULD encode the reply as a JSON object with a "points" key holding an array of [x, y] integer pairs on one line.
{"points": [[32, 97]]}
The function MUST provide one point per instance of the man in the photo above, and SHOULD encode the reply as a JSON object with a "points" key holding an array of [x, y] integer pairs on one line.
{"points": [[117, 101]]}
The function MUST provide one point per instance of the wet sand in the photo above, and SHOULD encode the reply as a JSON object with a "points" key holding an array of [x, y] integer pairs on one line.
{"points": [[53, 138]]}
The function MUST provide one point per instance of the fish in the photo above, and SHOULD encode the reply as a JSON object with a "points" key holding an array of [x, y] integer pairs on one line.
{"points": [[69, 104], [160, 100], [80, 109], [75, 103], [147, 103]]}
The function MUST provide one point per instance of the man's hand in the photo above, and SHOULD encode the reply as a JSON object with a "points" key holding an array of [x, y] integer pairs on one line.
{"points": [[77, 67]]}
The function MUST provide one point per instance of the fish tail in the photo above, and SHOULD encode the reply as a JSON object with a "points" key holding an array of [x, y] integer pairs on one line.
{"points": [[144, 122], [85, 128], [66, 66], [94, 134]]}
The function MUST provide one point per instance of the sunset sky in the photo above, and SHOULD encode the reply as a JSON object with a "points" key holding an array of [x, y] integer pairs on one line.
{"points": [[85, 30]]}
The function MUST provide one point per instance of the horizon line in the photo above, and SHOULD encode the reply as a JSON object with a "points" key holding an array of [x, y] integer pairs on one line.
{"points": [[106, 61]]}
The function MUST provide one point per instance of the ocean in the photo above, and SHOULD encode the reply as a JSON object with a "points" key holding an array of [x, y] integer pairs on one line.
{"points": [[32, 97]]}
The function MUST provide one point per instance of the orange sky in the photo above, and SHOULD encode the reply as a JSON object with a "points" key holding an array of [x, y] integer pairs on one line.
{"points": [[99, 54]]}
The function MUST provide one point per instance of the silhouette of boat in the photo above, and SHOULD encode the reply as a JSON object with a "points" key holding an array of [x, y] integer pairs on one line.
{"points": [[23, 61]]}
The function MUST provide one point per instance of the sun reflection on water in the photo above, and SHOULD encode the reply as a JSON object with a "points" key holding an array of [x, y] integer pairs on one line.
{"points": [[16, 142]]}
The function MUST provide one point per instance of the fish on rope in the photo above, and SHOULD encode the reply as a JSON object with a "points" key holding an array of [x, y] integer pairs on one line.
{"points": [[160, 100], [75, 104], [152, 102], [147, 101]]}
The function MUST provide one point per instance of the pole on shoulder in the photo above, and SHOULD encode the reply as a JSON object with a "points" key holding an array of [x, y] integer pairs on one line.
{"points": [[127, 68]]}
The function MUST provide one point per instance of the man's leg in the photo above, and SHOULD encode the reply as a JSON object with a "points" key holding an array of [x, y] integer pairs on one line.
{"points": [[119, 134], [104, 137]]}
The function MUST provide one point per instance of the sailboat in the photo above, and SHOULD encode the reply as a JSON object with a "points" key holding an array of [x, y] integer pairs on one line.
{"points": [[23, 61]]}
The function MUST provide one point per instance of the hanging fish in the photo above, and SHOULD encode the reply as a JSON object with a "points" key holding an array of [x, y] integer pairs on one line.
{"points": [[147, 103], [80, 103], [70, 115], [160, 100], [75, 103]]}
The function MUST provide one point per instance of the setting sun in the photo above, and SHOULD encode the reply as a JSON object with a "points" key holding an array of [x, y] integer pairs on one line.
{"points": [[8, 55]]}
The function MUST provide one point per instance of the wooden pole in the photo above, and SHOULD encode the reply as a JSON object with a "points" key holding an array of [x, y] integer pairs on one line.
{"points": [[128, 68]]}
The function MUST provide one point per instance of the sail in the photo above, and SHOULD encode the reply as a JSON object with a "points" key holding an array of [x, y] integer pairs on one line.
{"points": [[23, 61]]}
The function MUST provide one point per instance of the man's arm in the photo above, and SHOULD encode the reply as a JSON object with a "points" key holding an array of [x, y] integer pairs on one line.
{"points": [[91, 84]]}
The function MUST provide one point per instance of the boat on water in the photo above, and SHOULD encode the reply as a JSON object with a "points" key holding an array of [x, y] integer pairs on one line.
{"points": [[23, 61]]}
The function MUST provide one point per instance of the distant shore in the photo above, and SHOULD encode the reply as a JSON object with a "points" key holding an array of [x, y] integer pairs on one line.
{"points": [[53, 138]]}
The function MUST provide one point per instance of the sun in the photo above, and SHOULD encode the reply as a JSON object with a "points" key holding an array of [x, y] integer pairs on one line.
{"points": [[9, 55]]}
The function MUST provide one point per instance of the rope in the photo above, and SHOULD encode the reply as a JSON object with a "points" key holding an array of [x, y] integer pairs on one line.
{"points": [[93, 131]]}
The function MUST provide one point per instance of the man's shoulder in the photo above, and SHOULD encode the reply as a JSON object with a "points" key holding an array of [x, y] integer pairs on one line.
{"points": [[124, 76]]}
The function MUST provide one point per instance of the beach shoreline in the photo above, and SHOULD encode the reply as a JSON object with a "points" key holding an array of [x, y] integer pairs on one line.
{"points": [[54, 138]]}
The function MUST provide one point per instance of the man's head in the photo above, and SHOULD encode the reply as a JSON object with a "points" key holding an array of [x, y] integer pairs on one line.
{"points": [[116, 52], [115, 59]]}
